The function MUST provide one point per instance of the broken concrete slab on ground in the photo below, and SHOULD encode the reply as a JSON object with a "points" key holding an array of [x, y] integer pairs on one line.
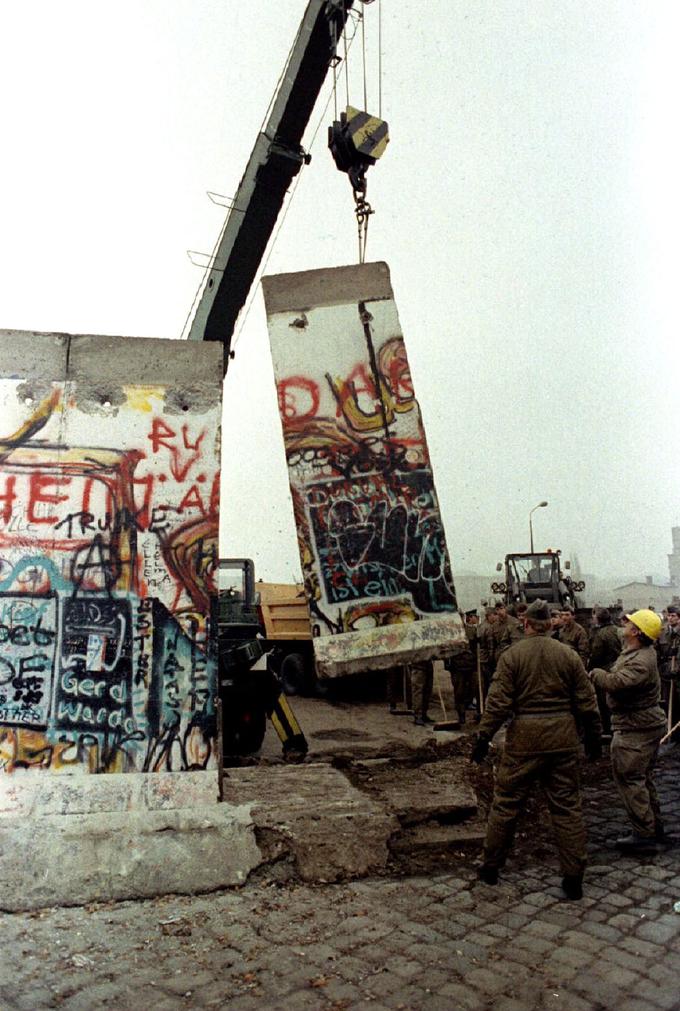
{"points": [[312, 815], [372, 545]]}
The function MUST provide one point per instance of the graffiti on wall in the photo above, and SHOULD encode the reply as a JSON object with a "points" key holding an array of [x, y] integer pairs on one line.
{"points": [[107, 558], [370, 533]]}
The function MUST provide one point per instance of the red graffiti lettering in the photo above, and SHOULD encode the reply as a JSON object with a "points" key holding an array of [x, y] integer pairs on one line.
{"points": [[160, 433], [180, 464], [143, 508], [185, 438], [298, 397], [40, 481], [192, 500], [8, 497], [215, 495]]}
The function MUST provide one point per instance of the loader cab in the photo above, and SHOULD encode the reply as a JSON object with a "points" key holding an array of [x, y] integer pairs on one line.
{"points": [[534, 576], [531, 576]]}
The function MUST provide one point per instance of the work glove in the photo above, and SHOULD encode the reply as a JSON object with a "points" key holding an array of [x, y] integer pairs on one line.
{"points": [[481, 748], [592, 744]]}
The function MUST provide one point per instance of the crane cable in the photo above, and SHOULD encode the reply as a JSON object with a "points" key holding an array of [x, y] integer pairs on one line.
{"points": [[362, 208]]}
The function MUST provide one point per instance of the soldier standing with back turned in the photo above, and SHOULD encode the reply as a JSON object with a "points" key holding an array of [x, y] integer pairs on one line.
{"points": [[605, 647], [542, 687]]}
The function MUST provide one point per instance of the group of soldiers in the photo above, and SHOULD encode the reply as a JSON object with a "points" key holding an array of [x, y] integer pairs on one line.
{"points": [[555, 690], [473, 664], [550, 684]]}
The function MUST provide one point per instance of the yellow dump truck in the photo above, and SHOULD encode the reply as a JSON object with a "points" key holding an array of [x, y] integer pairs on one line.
{"points": [[285, 618]]}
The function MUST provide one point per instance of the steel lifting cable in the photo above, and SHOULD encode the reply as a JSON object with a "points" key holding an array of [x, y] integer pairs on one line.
{"points": [[334, 66], [380, 59], [363, 211], [362, 208], [344, 42], [363, 54]]}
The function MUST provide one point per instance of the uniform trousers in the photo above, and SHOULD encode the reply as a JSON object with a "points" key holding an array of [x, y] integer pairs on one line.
{"points": [[558, 774], [633, 754], [422, 677]]}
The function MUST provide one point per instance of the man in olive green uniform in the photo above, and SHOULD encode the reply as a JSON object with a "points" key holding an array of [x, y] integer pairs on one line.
{"points": [[487, 645], [574, 635], [506, 630], [668, 656], [462, 666], [605, 647], [638, 724], [542, 687], [422, 678]]}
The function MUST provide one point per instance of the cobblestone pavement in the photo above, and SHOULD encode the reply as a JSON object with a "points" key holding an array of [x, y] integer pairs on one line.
{"points": [[441, 941]]}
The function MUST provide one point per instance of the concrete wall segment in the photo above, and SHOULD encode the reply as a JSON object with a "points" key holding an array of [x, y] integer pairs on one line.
{"points": [[371, 539], [109, 490], [25, 354], [120, 360], [311, 289], [124, 855], [30, 796]]}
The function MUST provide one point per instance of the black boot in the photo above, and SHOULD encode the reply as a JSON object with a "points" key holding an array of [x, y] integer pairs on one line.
{"points": [[489, 875], [572, 886], [636, 843]]}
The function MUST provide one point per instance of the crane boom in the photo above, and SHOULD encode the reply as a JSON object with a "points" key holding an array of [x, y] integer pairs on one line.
{"points": [[274, 162]]}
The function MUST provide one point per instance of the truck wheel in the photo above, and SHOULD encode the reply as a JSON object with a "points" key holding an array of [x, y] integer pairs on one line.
{"points": [[244, 730], [296, 679]]}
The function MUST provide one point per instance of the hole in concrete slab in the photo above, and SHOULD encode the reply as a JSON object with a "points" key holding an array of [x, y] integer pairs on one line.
{"points": [[341, 734], [456, 815]]}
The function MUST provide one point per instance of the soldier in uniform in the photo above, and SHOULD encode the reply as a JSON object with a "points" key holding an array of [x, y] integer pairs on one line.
{"points": [[542, 687], [574, 635], [422, 679], [520, 613], [487, 645], [605, 646], [668, 655], [638, 724], [462, 666], [506, 629]]}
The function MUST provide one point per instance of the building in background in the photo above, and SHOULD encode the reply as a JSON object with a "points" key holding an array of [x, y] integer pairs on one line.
{"points": [[647, 594]]}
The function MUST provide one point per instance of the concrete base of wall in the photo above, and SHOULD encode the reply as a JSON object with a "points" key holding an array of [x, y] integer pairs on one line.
{"points": [[387, 646], [69, 840]]}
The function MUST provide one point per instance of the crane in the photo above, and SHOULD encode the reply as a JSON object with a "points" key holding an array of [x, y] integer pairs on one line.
{"points": [[355, 141], [275, 160]]}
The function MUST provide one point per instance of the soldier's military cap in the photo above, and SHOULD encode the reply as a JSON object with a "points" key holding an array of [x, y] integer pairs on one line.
{"points": [[539, 611]]}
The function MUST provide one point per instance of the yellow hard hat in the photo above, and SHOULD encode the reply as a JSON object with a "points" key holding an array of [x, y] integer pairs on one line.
{"points": [[647, 621]]}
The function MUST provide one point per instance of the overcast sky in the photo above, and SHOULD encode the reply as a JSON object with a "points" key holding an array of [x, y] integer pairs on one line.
{"points": [[527, 206]]}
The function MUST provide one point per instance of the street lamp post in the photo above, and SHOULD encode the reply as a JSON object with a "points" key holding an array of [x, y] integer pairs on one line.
{"points": [[541, 505]]}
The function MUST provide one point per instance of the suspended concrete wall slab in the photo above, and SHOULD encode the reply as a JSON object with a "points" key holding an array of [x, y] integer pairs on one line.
{"points": [[109, 484], [372, 545]]}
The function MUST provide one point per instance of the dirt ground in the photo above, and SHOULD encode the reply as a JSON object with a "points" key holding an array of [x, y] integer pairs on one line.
{"points": [[352, 729]]}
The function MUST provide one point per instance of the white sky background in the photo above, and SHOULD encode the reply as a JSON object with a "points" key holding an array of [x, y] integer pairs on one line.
{"points": [[527, 206]]}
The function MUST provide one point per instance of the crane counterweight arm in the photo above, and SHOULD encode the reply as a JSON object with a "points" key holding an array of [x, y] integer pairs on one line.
{"points": [[274, 162]]}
